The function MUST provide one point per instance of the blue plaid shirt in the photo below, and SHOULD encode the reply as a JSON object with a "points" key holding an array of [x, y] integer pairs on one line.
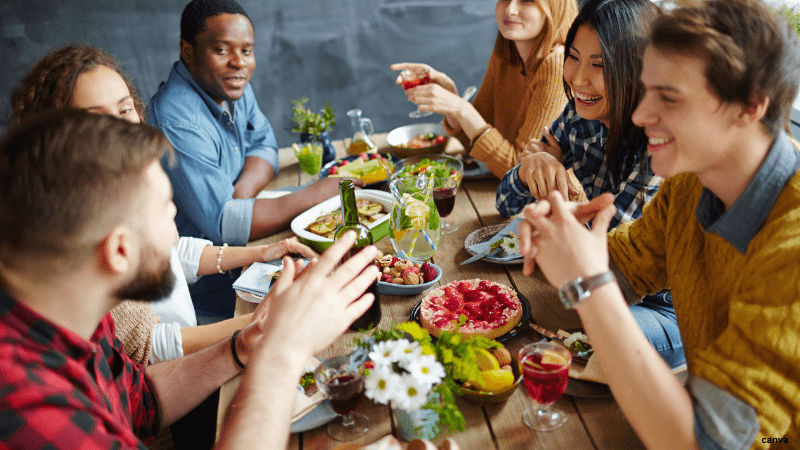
{"points": [[583, 143]]}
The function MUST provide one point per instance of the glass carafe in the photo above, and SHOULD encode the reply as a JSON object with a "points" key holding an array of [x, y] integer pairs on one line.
{"points": [[362, 134], [414, 226]]}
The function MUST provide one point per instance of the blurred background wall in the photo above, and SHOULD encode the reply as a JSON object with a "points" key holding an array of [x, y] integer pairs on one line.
{"points": [[327, 50]]}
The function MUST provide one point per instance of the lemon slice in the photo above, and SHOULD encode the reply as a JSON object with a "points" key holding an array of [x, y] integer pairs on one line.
{"points": [[485, 360], [553, 359], [417, 212], [497, 379]]}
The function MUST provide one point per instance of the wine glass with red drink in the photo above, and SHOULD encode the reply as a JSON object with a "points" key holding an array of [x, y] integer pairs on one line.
{"points": [[444, 192], [545, 369], [412, 78], [342, 380]]}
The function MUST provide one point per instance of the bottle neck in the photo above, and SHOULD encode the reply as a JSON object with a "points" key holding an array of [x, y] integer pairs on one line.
{"points": [[350, 219]]}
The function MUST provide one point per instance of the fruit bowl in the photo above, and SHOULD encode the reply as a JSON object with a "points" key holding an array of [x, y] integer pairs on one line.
{"points": [[369, 182], [399, 137], [401, 289], [483, 398]]}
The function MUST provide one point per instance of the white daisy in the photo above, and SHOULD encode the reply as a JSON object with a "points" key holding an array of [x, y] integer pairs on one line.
{"points": [[405, 351], [381, 384], [411, 394], [510, 244], [426, 369], [381, 353]]}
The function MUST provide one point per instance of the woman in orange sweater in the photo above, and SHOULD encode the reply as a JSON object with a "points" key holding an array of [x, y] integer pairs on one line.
{"points": [[522, 91]]}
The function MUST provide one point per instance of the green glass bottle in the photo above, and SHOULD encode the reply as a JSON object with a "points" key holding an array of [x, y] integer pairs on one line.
{"points": [[350, 221]]}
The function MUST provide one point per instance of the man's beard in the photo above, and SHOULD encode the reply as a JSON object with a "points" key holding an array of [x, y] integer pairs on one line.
{"points": [[152, 282]]}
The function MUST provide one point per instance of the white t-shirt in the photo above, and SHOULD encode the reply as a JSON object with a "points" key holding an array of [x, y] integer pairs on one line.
{"points": [[177, 310]]}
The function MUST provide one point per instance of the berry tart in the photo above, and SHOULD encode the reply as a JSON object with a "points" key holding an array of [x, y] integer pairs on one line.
{"points": [[492, 309]]}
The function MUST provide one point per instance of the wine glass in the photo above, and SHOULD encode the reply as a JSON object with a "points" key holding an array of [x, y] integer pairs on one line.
{"points": [[309, 157], [413, 78], [545, 369], [444, 191], [343, 382]]}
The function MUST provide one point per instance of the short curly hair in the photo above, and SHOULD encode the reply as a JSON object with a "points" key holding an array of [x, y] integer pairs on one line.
{"points": [[50, 83], [193, 18]]}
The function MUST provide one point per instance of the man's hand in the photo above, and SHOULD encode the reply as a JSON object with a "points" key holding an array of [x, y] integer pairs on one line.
{"points": [[305, 315], [553, 233]]}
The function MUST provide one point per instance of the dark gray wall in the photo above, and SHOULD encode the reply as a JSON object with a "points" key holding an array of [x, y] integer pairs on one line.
{"points": [[328, 50]]}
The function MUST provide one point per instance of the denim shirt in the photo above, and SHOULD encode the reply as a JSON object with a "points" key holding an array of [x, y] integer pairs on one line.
{"points": [[210, 150], [583, 145]]}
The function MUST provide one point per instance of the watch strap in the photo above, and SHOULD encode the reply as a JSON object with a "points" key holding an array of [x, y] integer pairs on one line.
{"points": [[573, 292]]}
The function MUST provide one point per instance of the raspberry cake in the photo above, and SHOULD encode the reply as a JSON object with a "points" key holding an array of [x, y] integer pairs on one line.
{"points": [[492, 309]]}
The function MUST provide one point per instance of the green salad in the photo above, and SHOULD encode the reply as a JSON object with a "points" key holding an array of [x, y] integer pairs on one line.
{"points": [[441, 172]]}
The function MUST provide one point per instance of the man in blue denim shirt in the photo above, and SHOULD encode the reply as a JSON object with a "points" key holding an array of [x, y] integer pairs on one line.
{"points": [[225, 148]]}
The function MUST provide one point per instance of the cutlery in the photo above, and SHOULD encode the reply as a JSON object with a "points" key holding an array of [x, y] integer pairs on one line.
{"points": [[488, 252], [554, 337]]}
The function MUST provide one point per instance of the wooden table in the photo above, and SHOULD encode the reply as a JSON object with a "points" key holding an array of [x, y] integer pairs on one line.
{"points": [[593, 423]]}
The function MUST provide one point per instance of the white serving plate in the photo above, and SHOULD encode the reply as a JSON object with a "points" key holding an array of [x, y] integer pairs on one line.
{"points": [[380, 228]]}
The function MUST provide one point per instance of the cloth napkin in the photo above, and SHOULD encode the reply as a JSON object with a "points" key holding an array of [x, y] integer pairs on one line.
{"points": [[303, 404], [481, 246], [257, 279]]}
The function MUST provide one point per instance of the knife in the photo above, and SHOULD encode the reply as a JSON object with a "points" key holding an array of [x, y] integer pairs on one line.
{"points": [[488, 252]]}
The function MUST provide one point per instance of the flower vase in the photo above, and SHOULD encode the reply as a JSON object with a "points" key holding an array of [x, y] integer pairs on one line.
{"points": [[328, 152], [418, 424]]}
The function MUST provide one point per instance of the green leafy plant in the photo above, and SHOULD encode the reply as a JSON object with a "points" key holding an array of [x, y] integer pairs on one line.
{"points": [[310, 122]]}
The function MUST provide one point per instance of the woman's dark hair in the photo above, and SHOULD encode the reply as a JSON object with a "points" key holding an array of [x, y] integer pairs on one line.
{"points": [[617, 24], [558, 15], [193, 18], [749, 53], [50, 83]]}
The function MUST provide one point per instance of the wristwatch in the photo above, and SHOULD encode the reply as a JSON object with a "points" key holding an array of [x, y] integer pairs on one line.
{"points": [[573, 292]]}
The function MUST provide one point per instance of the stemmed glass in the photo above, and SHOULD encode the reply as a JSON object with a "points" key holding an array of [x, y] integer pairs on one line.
{"points": [[343, 382], [545, 369], [413, 78], [444, 192]]}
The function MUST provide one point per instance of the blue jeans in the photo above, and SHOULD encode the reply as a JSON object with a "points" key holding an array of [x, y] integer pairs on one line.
{"points": [[656, 317]]}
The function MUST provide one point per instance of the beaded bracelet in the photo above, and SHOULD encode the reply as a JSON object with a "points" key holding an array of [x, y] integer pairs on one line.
{"points": [[484, 129], [219, 258], [233, 349]]}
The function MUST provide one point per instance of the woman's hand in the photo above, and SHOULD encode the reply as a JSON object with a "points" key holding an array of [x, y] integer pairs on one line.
{"points": [[554, 235], [551, 146], [436, 77], [285, 247]]}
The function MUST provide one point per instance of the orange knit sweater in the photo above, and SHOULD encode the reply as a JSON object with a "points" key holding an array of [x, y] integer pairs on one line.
{"points": [[517, 106]]}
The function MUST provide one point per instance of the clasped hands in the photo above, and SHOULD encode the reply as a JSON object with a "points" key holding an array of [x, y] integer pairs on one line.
{"points": [[553, 235], [541, 169]]}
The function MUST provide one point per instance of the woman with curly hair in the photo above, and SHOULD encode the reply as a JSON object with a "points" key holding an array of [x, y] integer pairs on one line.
{"points": [[54, 80]]}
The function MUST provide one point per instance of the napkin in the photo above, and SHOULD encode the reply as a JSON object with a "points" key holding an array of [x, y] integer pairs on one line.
{"points": [[481, 246], [303, 404], [257, 279], [389, 442]]}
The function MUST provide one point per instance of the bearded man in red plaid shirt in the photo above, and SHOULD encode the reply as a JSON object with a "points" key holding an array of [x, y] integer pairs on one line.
{"points": [[87, 219]]}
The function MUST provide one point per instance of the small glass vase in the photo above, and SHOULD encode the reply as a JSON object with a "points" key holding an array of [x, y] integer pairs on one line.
{"points": [[418, 424]]}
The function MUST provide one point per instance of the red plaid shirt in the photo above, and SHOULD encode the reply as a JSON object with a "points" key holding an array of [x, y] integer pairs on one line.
{"points": [[58, 391]]}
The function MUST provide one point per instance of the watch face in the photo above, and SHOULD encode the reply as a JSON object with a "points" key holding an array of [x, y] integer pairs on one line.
{"points": [[569, 295]]}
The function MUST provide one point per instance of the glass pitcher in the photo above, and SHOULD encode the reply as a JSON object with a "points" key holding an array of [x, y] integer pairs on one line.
{"points": [[362, 134], [414, 225]]}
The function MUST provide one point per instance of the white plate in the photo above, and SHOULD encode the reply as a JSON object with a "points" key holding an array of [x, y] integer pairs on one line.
{"points": [[300, 222]]}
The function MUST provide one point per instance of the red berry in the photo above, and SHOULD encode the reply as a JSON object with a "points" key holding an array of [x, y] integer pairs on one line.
{"points": [[394, 261], [333, 170], [428, 272], [386, 278], [364, 156], [344, 163], [369, 364], [439, 139], [375, 156]]}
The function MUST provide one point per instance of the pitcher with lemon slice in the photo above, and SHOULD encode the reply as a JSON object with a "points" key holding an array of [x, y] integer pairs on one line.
{"points": [[414, 225]]}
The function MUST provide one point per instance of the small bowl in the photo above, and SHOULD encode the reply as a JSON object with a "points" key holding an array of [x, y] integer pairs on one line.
{"points": [[323, 173], [482, 398], [402, 289], [402, 135]]}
